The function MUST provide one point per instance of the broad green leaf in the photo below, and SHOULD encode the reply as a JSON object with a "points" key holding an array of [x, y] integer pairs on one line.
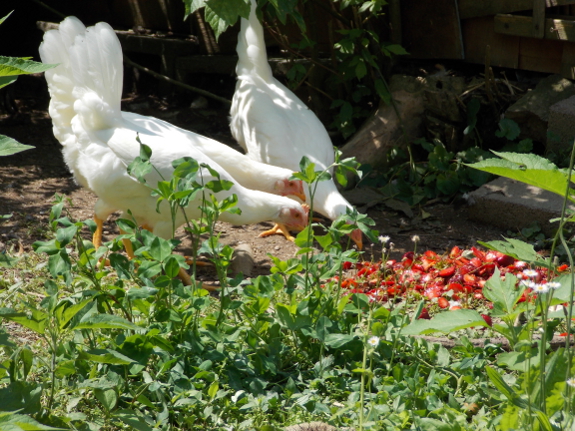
{"points": [[527, 168], [9, 146], [65, 235], [218, 24], [213, 389], [107, 397], [285, 316], [59, 263], [335, 341], [322, 328], [10, 66], [14, 421], [36, 321], [141, 292], [171, 266], [7, 80], [503, 293], [26, 357], [134, 420], [287, 7], [445, 322], [229, 10], [64, 314], [192, 5], [106, 356], [105, 321], [508, 129], [517, 249], [65, 368]]}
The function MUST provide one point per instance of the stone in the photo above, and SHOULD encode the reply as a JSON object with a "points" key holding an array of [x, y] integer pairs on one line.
{"points": [[560, 131], [515, 205], [242, 260], [415, 98], [531, 112], [383, 130]]}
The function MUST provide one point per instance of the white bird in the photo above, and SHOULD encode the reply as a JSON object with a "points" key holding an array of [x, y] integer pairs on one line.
{"points": [[99, 140], [274, 126]]}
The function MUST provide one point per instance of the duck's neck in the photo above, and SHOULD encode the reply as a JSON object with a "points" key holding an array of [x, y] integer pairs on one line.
{"points": [[328, 201], [251, 48]]}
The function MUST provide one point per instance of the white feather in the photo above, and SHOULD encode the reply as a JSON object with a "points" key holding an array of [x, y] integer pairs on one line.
{"points": [[272, 124], [100, 141]]}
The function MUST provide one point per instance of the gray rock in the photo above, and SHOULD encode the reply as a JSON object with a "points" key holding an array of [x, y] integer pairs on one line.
{"points": [[560, 129], [531, 112], [514, 205], [242, 260]]}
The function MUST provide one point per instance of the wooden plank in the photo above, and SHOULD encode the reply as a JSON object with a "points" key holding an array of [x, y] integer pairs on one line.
{"points": [[431, 29], [479, 8], [568, 61], [538, 23], [540, 55], [554, 29], [478, 33]]}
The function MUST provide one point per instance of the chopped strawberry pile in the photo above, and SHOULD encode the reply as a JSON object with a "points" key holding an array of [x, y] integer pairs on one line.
{"points": [[452, 281]]}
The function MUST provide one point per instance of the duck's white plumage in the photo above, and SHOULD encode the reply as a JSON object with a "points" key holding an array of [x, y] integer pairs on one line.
{"points": [[272, 124], [99, 141]]}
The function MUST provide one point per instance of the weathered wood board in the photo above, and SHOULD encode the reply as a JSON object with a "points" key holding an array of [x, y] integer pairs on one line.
{"points": [[517, 25], [479, 8], [431, 29]]}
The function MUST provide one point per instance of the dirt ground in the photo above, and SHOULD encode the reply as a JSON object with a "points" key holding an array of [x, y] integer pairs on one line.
{"points": [[29, 181]]}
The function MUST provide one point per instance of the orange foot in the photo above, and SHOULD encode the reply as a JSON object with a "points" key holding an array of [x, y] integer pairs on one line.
{"points": [[278, 229], [97, 237]]}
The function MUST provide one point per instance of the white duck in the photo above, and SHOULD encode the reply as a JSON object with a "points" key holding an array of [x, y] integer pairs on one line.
{"points": [[274, 126], [99, 141]]}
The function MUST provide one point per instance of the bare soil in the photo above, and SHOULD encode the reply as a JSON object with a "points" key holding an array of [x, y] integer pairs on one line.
{"points": [[29, 181]]}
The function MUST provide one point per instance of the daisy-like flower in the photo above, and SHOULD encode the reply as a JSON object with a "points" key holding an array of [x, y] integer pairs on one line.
{"points": [[373, 341], [540, 288], [531, 273], [415, 238], [553, 285], [571, 382], [383, 239], [527, 283]]}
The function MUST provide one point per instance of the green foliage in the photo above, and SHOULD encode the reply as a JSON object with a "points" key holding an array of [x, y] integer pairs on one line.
{"points": [[10, 68], [529, 169], [359, 49], [440, 174]]}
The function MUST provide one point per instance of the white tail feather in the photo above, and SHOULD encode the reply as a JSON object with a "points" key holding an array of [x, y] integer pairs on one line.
{"points": [[55, 50]]}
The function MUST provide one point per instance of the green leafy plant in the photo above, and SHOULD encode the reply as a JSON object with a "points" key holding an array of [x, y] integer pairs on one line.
{"points": [[10, 68]]}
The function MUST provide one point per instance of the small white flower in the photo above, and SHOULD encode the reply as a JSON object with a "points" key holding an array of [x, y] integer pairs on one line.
{"points": [[571, 382], [553, 285], [540, 288], [391, 245], [531, 273], [415, 238], [383, 239], [454, 304], [373, 342], [527, 283]]}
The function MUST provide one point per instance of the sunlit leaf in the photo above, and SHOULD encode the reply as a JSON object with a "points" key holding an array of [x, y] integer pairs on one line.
{"points": [[9, 146], [446, 322]]}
